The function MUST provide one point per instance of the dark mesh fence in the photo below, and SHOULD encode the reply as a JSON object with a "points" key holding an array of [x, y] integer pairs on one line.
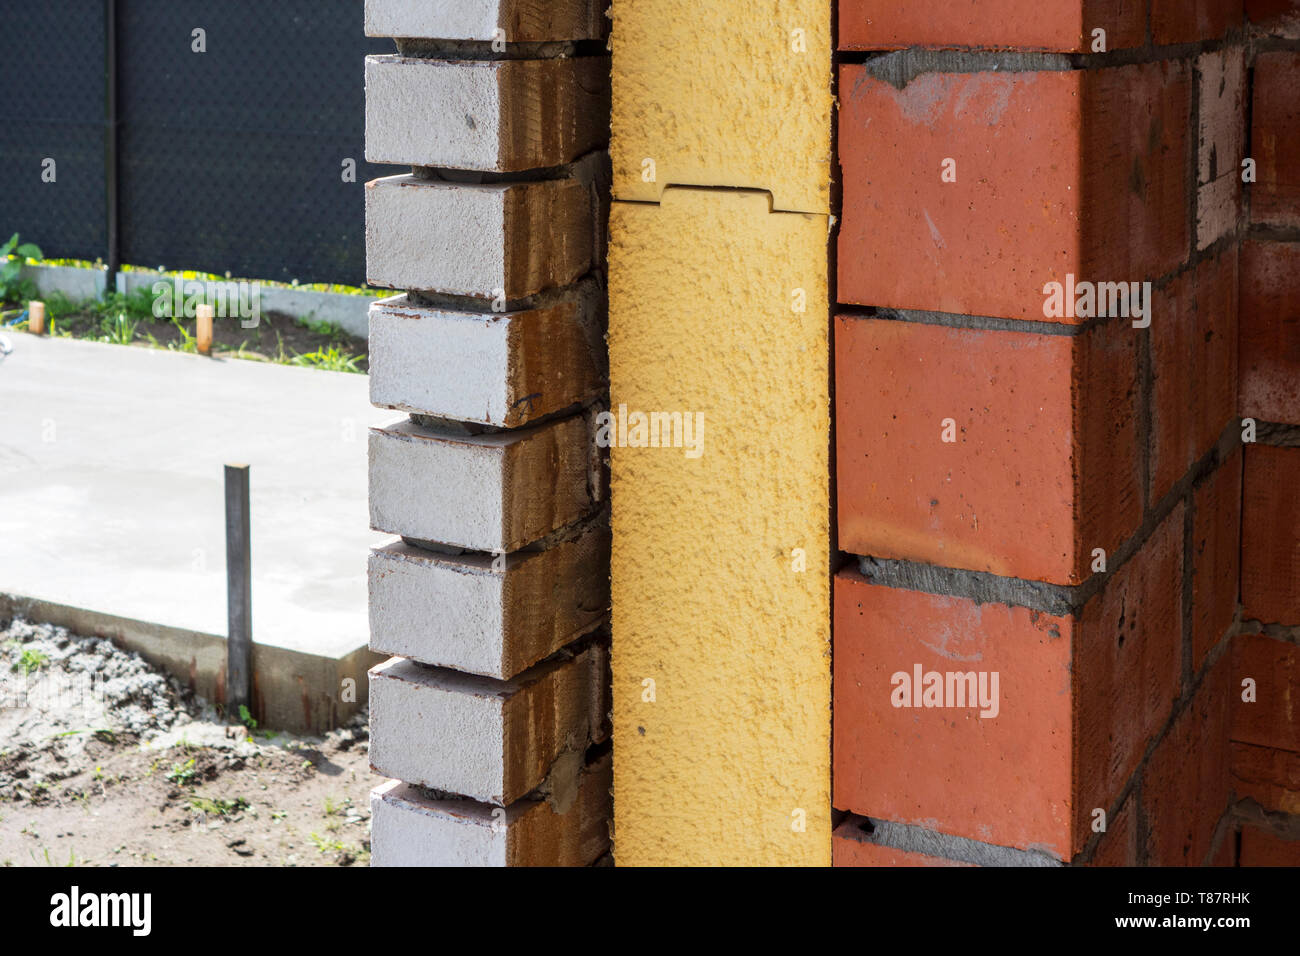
{"points": [[52, 106], [228, 160]]}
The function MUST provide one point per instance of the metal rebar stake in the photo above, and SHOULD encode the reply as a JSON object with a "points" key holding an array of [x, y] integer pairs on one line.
{"points": [[239, 592]]}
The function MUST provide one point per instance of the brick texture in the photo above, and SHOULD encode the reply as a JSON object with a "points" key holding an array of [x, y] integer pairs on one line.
{"points": [[1185, 787], [487, 615], [1275, 139], [523, 21], [1220, 142], [1074, 720], [1194, 367], [1274, 17], [495, 491], [979, 171], [516, 114], [949, 769], [1189, 21], [1270, 331], [1269, 777], [1056, 173], [493, 717], [1273, 718], [503, 369], [1270, 535], [478, 239], [410, 826], [1038, 418], [1118, 845], [492, 741], [998, 24], [1216, 557], [1262, 848]]}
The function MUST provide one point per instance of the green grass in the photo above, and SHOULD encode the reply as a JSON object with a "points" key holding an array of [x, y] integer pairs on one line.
{"points": [[118, 330], [331, 358]]}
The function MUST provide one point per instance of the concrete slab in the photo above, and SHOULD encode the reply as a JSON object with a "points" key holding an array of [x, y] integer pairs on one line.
{"points": [[111, 491]]}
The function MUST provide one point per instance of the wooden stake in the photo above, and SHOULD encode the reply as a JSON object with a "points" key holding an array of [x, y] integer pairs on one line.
{"points": [[203, 329], [36, 317]]}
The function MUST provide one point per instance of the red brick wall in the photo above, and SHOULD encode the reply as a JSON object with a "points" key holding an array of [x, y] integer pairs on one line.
{"points": [[1264, 754], [990, 448]]}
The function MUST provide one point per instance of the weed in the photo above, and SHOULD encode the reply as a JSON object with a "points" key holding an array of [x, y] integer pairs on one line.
{"points": [[332, 359], [117, 330], [72, 859], [320, 326], [188, 343], [30, 661], [59, 304], [219, 806], [14, 288], [326, 846], [182, 773]]}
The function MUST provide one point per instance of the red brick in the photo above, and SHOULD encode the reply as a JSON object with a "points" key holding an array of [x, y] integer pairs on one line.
{"points": [[1185, 790], [1064, 25], [1269, 777], [1262, 848], [1274, 17], [1127, 663], [1216, 557], [1270, 535], [950, 769], [1273, 718], [1225, 854], [1187, 21], [1044, 468], [1079, 702], [1058, 173], [1135, 141], [1270, 331], [985, 244], [1118, 846], [1194, 362], [1221, 78], [851, 847], [1275, 139]]}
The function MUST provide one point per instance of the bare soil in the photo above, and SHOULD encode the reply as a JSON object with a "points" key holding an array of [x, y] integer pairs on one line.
{"points": [[106, 762]]}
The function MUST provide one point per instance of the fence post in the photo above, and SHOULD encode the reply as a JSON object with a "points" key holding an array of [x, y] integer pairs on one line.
{"points": [[111, 144]]}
